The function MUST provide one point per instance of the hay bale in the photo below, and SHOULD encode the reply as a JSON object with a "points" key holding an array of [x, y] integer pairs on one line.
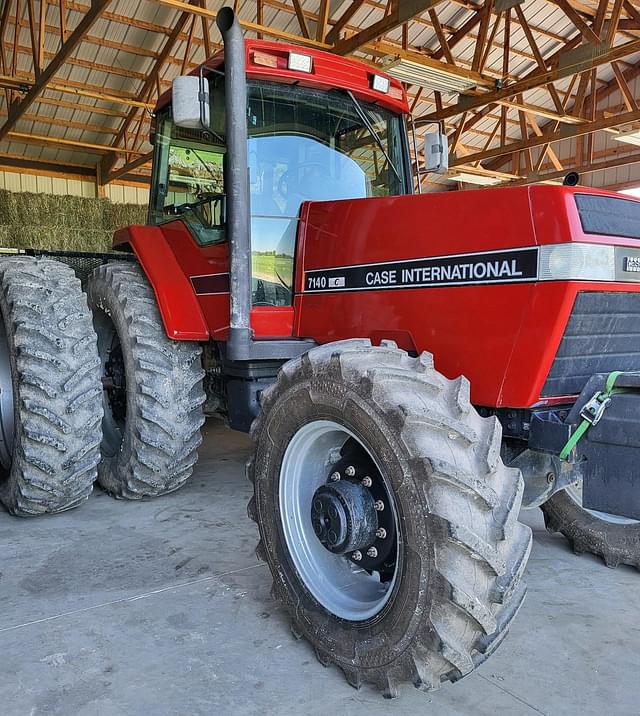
{"points": [[61, 238], [63, 223], [6, 237], [80, 211], [8, 208], [121, 215]]}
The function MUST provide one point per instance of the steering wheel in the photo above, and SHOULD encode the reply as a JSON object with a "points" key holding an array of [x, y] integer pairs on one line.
{"points": [[286, 176], [202, 198]]}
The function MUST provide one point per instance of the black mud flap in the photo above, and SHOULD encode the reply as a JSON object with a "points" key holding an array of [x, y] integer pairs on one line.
{"points": [[609, 452]]}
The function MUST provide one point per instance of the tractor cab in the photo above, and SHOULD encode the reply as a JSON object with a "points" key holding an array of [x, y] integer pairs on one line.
{"points": [[310, 137]]}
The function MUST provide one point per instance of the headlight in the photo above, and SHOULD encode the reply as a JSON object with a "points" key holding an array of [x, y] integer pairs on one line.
{"points": [[576, 262]]}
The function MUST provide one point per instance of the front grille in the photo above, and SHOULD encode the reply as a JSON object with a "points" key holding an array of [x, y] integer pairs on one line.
{"points": [[609, 215], [602, 335]]}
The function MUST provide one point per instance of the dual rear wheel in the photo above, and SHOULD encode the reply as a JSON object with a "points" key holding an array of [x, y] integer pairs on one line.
{"points": [[90, 389]]}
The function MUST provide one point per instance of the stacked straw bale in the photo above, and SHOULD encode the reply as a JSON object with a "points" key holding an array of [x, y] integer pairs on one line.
{"points": [[62, 223]]}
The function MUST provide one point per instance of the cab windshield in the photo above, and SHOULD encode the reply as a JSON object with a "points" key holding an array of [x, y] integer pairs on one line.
{"points": [[303, 144]]}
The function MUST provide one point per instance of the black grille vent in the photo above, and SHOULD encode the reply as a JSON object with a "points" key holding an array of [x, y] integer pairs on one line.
{"points": [[609, 215], [603, 334]]}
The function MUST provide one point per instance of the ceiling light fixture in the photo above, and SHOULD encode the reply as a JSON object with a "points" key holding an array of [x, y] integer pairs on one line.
{"points": [[479, 179], [629, 137], [433, 75]]}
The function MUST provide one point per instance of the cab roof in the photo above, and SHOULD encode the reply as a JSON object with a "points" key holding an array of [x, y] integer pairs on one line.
{"points": [[269, 61]]}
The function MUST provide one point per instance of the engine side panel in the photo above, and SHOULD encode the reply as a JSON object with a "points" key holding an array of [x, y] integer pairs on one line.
{"points": [[503, 333]]}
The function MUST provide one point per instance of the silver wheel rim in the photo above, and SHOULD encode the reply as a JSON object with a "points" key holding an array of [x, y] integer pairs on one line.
{"points": [[343, 589], [6, 401], [575, 493]]}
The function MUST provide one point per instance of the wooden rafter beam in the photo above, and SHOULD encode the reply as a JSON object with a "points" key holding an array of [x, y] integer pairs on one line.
{"points": [[482, 35], [34, 37], [612, 28], [323, 19], [245, 24], [490, 42], [3, 58], [585, 30], [75, 88], [549, 137], [153, 77], [444, 44], [288, 8], [74, 39], [538, 111], [343, 20], [130, 166], [77, 62], [57, 122], [17, 162], [538, 56], [302, 20], [41, 25], [534, 80], [65, 143], [586, 168], [625, 91], [62, 7], [401, 11]]}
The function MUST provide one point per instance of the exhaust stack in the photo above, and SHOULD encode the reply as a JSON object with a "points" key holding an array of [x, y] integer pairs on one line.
{"points": [[237, 186]]}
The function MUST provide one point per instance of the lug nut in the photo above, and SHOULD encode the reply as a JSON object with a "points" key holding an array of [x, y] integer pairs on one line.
{"points": [[378, 505], [381, 533], [350, 471], [335, 476], [372, 552], [367, 481], [551, 478], [357, 555]]}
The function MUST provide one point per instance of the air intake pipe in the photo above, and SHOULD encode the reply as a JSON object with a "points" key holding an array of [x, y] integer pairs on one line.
{"points": [[236, 186]]}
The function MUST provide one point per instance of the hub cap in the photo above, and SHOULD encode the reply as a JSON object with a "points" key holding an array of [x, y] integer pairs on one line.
{"points": [[339, 520], [344, 517]]}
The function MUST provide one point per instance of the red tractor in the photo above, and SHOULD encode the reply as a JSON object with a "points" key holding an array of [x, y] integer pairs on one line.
{"points": [[289, 279]]}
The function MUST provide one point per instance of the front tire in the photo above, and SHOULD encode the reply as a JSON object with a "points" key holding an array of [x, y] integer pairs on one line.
{"points": [[615, 539], [452, 584], [153, 393]]}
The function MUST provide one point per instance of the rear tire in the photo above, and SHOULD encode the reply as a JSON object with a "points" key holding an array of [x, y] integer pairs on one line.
{"points": [[460, 551], [616, 542], [51, 439], [153, 394]]}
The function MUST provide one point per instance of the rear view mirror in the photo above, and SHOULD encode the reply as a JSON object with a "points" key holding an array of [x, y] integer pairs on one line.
{"points": [[436, 152], [190, 100]]}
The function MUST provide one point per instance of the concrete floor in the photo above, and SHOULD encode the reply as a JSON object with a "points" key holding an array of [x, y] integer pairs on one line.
{"points": [[161, 608]]}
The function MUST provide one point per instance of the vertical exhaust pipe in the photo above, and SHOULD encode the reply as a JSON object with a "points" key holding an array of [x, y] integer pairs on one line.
{"points": [[236, 186]]}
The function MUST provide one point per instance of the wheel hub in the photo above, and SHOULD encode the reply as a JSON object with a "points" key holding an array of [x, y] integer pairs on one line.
{"points": [[353, 585], [114, 382], [344, 516], [351, 514]]}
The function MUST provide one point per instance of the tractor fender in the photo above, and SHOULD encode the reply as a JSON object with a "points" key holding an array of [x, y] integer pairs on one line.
{"points": [[181, 313]]}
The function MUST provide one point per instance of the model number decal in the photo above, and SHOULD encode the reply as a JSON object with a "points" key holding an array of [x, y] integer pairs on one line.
{"points": [[513, 265], [632, 263]]}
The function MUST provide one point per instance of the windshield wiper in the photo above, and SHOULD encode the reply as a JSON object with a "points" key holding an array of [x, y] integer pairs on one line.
{"points": [[372, 132], [204, 164]]}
